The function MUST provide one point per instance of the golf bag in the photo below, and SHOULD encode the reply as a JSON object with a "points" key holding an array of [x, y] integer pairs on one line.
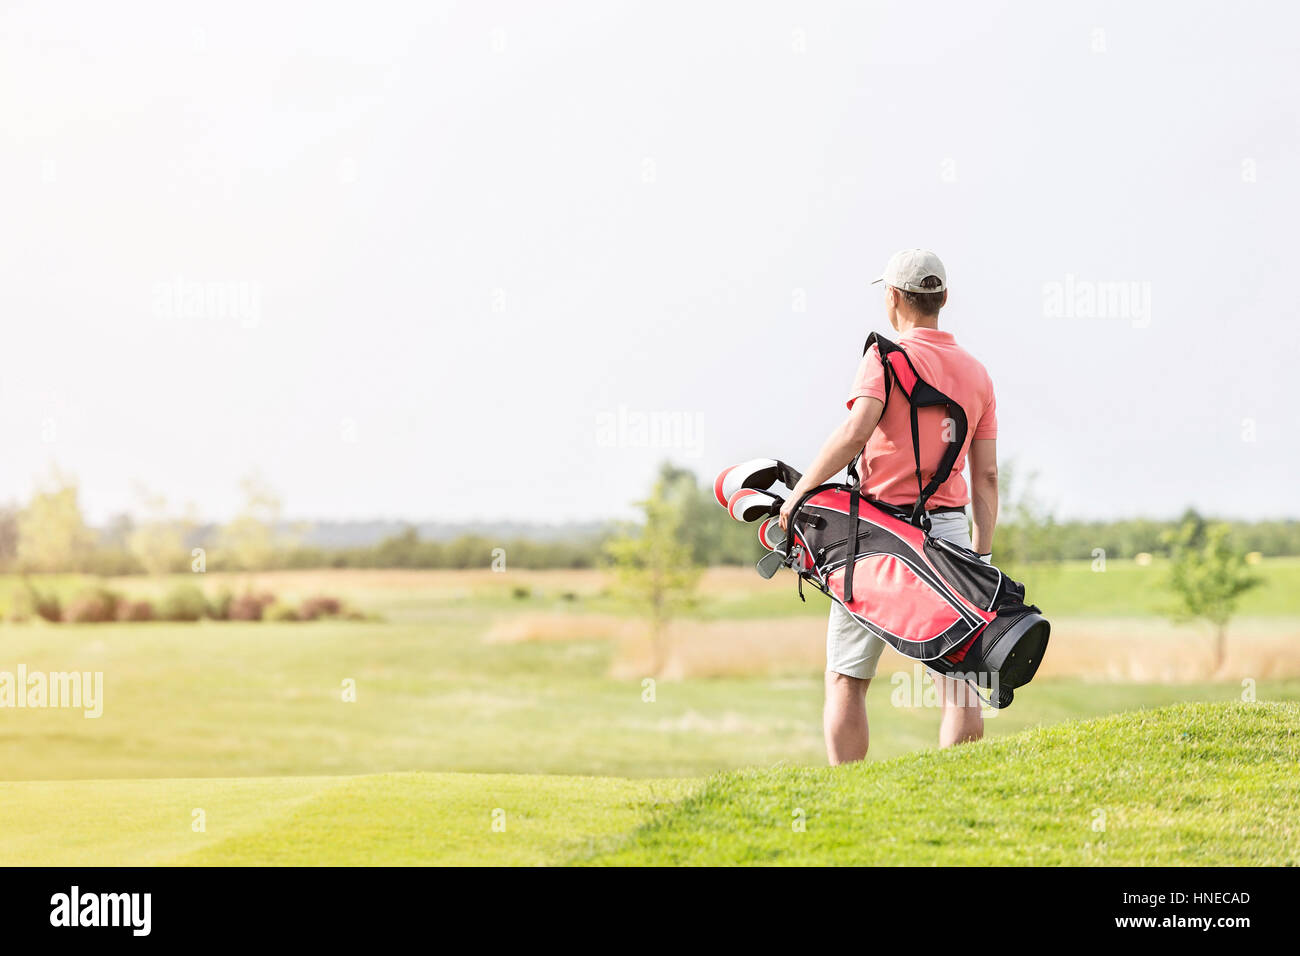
{"points": [[929, 599]]}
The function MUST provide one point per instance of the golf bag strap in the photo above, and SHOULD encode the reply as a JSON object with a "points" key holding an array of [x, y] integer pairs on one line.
{"points": [[918, 510], [855, 497], [921, 395]]}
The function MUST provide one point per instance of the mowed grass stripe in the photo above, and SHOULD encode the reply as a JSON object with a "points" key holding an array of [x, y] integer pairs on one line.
{"points": [[138, 822], [387, 819], [447, 819]]}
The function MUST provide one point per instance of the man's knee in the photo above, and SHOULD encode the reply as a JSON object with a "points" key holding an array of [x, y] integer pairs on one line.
{"points": [[842, 685], [957, 693]]}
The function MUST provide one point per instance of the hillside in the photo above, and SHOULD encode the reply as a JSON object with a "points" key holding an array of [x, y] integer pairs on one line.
{"points": [[1206, 784]]}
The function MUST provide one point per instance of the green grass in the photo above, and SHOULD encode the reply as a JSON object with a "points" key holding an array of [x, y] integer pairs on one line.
{"points": [[1205, 784], [387, 819], [1197, 784], [1123, 589]]}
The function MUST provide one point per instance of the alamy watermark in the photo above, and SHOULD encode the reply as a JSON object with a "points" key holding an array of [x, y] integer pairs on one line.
{"points": [[181, 298], [918, 689], [79, 908], [82, 690], [1075, 298], [635, 428]]}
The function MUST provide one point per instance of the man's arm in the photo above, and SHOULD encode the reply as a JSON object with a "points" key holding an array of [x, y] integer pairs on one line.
{"points": [[843, 445], [984, 491]]}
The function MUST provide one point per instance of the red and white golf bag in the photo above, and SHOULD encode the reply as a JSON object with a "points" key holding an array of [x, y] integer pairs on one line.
{"points": [[929, 599]]}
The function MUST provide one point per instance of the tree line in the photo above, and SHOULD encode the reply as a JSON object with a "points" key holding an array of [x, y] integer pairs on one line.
{"points": [[50, 533]]}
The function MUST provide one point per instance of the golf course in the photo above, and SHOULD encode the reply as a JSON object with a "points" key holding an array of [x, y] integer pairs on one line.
{"points": [[473, 717]]}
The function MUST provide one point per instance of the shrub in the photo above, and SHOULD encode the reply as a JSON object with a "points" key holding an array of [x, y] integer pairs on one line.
{"points": [[521, 593], [249, 607], [279, 611], [134, 611], [184, 602], [320, 606], [219, 607], [45, 606], [92, 606]]}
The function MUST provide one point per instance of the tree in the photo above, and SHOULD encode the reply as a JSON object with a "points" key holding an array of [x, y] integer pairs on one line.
{"points": [[8, 536], [52, 535], [158, 541], [1027, 538], [1209, 575], [250, 538], [714, 538], [655, 564]]}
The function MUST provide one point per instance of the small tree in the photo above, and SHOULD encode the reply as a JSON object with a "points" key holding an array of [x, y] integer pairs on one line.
{"points": [[656, 566], [52, 535], [1209, 575], [158, 541], [250, 539], [1027, 541]]}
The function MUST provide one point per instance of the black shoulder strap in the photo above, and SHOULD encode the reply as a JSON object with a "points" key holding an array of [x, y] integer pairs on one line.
{"points": [[919, 393]]}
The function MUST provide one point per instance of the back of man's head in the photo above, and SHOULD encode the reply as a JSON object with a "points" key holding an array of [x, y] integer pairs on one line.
{"points": [[919, 278], [926, 303]]}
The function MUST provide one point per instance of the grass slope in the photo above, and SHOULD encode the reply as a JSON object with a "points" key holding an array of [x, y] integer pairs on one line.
{"points": [[1204, 784]]}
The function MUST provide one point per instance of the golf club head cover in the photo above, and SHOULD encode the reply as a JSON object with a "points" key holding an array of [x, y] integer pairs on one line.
{"points": [[758, 474], [771, 535], [749, 504]]}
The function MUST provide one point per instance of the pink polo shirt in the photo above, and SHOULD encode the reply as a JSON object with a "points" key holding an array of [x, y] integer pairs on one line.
{"points": [[887, 466]]}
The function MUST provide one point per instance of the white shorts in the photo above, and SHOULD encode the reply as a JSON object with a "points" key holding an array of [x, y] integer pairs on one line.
{"points": [[854, 651]]}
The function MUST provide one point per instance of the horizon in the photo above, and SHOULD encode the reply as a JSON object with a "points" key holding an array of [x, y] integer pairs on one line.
{"points": [[202, 520]]}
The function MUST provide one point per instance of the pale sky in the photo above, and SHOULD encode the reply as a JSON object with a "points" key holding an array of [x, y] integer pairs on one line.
{"points": [[442, 261]]}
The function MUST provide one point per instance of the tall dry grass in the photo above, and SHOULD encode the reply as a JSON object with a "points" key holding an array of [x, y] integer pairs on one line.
{"points": [[1103, 650]]}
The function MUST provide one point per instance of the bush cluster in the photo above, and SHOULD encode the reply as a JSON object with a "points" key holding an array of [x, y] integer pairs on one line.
{"points": [[184, 602]]}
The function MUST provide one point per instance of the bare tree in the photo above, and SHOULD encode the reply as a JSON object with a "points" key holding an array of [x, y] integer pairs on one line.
{"points": [[1209, 575]]}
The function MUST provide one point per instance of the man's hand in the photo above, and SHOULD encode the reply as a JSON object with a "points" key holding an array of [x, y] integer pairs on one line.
{"points": [[788, 507]]}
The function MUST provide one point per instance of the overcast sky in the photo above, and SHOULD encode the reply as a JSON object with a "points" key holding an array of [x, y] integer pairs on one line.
{"points": [[498, 260]]}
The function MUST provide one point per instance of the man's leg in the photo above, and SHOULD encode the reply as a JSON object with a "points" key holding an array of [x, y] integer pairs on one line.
{"points": [[845, 718], [963, 721], [852, 654]]}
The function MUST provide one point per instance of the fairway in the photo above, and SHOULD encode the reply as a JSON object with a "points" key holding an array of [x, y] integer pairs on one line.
{"points": [[385, 819]]}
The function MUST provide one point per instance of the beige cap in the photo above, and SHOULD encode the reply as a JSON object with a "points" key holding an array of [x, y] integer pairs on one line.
{"points": [[910, 267]]}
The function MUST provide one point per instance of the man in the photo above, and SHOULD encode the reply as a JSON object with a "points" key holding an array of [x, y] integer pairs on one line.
{"points": [[916, 288]]}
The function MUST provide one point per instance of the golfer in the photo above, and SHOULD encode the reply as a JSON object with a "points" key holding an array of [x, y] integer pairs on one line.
{"points": [[916, 288]]}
